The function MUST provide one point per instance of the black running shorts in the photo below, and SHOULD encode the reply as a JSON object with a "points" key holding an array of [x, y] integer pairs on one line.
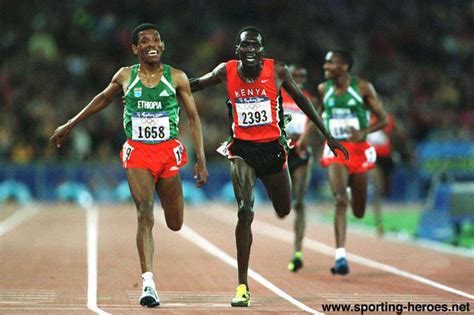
{"points": [[295, 161], [265, 158]]}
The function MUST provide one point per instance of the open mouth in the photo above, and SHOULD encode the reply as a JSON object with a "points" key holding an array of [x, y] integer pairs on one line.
{"points": [[152, 53], [251, 58]]}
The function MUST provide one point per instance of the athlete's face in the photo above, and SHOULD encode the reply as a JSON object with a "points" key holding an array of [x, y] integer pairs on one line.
{"points": [[333, 66], [250, 48], [299, 75], [149, 47]]}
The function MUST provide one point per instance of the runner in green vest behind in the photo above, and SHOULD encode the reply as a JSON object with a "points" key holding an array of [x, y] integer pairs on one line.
{"points": [[347, 102]]}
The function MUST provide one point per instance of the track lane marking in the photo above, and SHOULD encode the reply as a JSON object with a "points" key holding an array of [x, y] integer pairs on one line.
{"points": [[281, 234], [92, 218], [20, 216], [209, 247], [276, 232]]}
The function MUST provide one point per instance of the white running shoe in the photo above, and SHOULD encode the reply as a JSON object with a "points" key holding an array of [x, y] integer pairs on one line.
{"points": [[149, 298]]}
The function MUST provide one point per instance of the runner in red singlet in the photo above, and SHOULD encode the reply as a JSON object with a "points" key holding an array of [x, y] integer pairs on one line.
{"points": [[299, 164], [384, 141], [257, 146]]}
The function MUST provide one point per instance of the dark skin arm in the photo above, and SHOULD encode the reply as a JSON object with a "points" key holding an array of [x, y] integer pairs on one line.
{"points": [[371, 100], [284, 79], [98, 103], [216, 76], [183, 91]]}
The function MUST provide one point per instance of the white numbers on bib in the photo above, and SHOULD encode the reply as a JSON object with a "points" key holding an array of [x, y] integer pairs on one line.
{"points": [[371, 155], [127, 150], [297, 123], [339, 127], [253, 111], [178, 154], [150, 127]]}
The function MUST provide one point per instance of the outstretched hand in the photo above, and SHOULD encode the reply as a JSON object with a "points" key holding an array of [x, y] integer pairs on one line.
{"points": [[333, 144], [200, 174], [60, 135]]}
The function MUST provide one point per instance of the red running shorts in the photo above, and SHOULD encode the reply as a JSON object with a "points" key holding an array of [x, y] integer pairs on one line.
{"points": [[163, 159], [362, 157]]}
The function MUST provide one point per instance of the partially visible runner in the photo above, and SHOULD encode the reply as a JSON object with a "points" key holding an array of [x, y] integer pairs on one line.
{"points": [[257, 147], [299, 163], [152, 154], [348, 102], [384, 141]]}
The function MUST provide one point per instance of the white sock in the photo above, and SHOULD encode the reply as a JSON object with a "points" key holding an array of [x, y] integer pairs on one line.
{"points": [[340, 252], [147, 279]]}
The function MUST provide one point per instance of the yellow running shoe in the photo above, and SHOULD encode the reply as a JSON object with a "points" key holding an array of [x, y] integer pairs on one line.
{"points": [[296, 262], [242, 297]]}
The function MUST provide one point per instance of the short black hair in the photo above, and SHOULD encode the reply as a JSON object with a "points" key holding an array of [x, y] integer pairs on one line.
{"points": [[141, 27], [345, 56], [249, 29]]}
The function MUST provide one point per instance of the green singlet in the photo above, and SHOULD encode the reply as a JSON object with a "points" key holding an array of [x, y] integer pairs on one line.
{"points": [[151, 115], [344, 111]]}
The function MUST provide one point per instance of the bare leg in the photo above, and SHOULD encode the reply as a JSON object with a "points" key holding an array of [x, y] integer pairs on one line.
{"points": [[338, 180], [358, 184], [278, 188], [170, 191], [142, 188], [300, 181], [379, 188], [243, 180]]}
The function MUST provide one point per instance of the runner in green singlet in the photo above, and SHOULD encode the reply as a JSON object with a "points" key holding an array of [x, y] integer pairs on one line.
{"points": [[152, 154], [348, 102]]}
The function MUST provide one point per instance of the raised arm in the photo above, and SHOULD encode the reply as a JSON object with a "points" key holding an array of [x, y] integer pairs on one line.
{"points": [[183, 91], [98, 103], [284, 76], [216, 76], [297, 95]]}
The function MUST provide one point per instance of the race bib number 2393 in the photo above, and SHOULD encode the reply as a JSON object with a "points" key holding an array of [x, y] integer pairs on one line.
{"points": [[253, 111]]}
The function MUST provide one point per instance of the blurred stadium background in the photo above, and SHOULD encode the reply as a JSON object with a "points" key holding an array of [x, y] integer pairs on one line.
{"points": [[56, 55]]}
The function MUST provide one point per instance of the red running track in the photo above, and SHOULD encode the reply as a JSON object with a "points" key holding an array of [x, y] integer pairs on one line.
{"points": [[47, 259]]}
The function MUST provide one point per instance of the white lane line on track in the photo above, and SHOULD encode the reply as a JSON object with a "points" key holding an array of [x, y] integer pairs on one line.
{"points": [[207, 246], [92, 217], [276, 232], [18, 217]]}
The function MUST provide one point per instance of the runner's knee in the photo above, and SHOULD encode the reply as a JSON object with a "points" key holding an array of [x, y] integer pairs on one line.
{"points": [[245, 215], [282, 211], [359, 211], [299, 206], [174, 224], [145, 213], [342, 201]]}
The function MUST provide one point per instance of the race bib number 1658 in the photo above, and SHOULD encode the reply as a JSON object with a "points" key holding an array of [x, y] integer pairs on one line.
{"points": [[150, 127]]}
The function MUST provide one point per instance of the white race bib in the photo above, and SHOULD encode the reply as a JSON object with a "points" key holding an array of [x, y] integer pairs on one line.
{"points": [[339, 127], [297, 123], [378, 137], [371, 155], [150, 127], [253, 111]]}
